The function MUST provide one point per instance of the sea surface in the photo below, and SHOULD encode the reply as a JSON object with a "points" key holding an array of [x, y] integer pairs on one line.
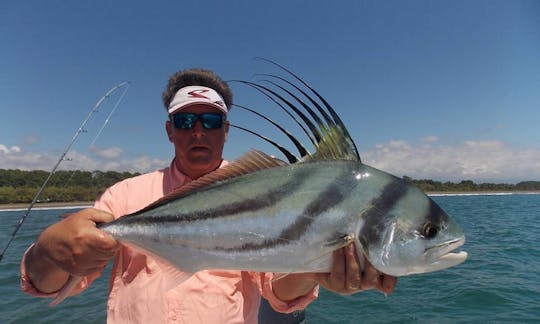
{"points": [[499, 283]]}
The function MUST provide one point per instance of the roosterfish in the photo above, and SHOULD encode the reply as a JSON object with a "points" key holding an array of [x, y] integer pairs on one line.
{"points": [[259, 213]]}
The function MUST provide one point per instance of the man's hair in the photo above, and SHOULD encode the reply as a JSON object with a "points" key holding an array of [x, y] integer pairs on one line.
{"points": [[200, 77]]}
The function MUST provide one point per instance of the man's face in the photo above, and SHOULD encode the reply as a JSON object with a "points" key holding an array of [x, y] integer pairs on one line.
{"points": [[198, 150]]}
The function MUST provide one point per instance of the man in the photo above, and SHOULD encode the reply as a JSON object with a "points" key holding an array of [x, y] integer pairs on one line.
{"points": [[197, 102]]}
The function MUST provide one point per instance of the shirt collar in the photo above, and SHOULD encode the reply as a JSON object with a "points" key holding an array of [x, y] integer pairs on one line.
{"points": [[175, 178]]}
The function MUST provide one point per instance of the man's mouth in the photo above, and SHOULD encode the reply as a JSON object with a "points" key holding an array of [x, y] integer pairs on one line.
{"points": [[199, 149]]}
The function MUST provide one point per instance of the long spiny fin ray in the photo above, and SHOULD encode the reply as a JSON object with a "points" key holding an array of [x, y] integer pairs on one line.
{"points": [[346, 138], [332, 147], [332, 144], [301, 149], [312, 127], [323, 113], [290, 157], [312, 134], [313, 115], [252, 161]]}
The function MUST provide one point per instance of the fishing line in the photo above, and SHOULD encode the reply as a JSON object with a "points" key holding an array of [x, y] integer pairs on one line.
{"points": [[128, 84], [80, 130]]}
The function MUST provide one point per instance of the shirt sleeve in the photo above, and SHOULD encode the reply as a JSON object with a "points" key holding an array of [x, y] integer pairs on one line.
{"points": [[264, 280], [106, 201]]}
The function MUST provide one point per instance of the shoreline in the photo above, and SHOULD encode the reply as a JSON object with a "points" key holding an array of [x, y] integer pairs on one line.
{"points": [[481, 193], [48, 205], [86, 204]]}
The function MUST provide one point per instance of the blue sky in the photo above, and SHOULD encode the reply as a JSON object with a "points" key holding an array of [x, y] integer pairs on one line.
{"points": [[447, 90]]}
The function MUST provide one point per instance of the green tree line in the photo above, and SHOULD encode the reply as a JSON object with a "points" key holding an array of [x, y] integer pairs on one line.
{"points": [[18, 186], [470, 186]]}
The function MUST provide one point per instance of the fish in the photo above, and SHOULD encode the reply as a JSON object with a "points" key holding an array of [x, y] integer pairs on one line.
{"points": [[260, 213]]}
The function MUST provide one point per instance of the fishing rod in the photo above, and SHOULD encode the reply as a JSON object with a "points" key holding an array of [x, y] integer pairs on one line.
{"points": [[80, 130]]}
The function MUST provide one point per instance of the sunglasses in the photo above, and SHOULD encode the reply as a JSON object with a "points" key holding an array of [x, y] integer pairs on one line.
{"points": [[187, 120]]}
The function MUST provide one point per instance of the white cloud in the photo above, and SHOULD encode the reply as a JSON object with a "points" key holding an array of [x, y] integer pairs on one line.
{"points": [[106, 153], [104, 159], [5, 150], [480, 161]]}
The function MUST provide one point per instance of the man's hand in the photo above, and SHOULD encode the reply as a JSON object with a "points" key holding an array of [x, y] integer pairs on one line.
{"points": [[347, 278], [71, 246]]}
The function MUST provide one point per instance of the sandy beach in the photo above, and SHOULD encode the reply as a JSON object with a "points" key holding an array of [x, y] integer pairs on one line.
{"points": [[47, 205]]}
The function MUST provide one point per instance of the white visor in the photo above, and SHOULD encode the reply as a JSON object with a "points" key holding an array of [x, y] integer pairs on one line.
{"points": [[192, 95]]}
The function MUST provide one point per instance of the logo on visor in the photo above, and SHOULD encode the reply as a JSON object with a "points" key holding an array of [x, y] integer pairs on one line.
{"points": [[198, 93]]}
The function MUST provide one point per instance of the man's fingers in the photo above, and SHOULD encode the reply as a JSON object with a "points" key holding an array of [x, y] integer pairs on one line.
{"points": [[104, 242], [387, 284], [338, 268], [353, 271], [97, 216], [347, 277], [100, 240], [370, 278]]}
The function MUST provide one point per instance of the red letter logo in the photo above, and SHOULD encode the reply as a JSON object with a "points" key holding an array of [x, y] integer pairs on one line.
{"points": [[198, 93]]}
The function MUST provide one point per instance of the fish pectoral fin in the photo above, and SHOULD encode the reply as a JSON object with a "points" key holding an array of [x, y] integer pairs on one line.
{"points": [[65, 291], [323, 262], [278, 276], [340, 241]]}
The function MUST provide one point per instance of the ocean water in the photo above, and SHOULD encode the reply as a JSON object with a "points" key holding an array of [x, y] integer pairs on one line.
{"points": [[500, 281]]}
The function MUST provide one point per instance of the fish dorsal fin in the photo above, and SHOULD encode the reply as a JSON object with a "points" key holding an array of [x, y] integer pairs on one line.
{"points": [[333, 145], [252, 161], [312, 113]]}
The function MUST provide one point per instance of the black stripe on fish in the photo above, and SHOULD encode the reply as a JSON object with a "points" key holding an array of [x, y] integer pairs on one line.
{"points": [[254, 204], [375, 216], [330, 197], [435, 215]]}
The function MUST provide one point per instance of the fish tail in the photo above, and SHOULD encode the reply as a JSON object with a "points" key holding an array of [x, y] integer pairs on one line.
{"points": [[66, 290]]}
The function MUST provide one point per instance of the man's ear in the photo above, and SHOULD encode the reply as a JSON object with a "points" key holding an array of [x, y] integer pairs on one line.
{"points": [[169, 130], [226, 130]]}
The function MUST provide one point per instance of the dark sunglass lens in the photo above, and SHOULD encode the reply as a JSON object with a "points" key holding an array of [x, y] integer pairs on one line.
{"points": [[184, 121], [211, 121]]}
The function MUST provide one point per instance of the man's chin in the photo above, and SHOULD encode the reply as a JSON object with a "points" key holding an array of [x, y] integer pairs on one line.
{"points": [[200, 157]]}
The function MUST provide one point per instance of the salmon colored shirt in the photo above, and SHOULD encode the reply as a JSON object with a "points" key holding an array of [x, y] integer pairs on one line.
{"points": [[136, 294]]}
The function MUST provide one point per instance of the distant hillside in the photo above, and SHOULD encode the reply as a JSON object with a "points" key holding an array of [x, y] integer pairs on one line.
{"points": [[17, 186], [470, 186]]}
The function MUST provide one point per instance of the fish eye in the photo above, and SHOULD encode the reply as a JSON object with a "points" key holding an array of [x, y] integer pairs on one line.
{"points": [[430, 231]]}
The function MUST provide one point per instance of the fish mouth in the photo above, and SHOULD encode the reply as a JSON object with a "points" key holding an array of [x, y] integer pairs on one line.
{"points": [[442, 256]]}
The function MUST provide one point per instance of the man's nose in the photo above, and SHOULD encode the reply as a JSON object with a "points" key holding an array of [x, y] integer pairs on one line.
{"points": [[198, 130]]}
